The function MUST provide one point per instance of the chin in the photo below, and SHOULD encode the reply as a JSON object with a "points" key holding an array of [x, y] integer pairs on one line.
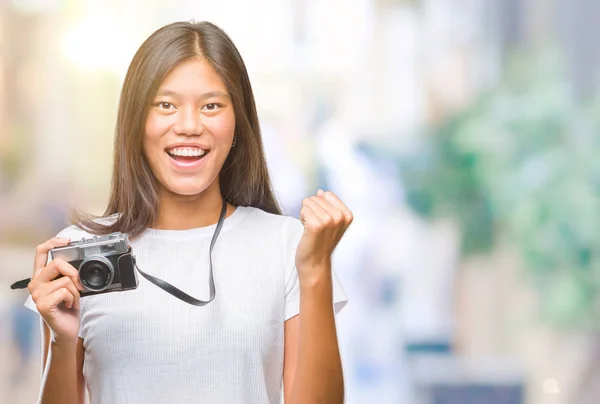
{"points": [[187, 189]]}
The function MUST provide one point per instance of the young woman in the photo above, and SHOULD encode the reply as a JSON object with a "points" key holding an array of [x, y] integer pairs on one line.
{"points": [[187, 148]]}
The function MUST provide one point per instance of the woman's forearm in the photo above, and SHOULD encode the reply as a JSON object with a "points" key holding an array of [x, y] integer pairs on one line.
{"points": [[59, 380], [318, 377]]}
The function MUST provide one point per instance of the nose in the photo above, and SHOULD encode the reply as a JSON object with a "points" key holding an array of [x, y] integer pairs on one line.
{"points": [[188, 122]]}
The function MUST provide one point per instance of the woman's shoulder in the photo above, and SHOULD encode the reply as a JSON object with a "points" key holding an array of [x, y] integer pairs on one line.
{"points": [[284, 223]]}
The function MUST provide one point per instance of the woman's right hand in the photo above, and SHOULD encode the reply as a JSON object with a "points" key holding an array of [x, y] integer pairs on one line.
{"points": [[57, 300]]}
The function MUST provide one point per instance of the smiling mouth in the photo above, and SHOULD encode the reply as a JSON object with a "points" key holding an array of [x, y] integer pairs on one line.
{"points": [[186, 159], [187, 154]]}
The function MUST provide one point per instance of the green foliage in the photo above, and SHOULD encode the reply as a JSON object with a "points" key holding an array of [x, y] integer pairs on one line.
{"points": [[521, 164]]}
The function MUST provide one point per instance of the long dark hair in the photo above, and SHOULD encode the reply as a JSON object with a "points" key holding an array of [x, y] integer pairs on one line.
{"points": [[244, 178]]}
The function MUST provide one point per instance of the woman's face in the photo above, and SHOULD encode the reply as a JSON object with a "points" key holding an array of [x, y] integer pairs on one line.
{"points": [[189, 129]]}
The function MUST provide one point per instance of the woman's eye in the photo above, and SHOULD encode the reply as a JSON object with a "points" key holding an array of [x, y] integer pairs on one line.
{"points": [[211, 107], [164, 105]]}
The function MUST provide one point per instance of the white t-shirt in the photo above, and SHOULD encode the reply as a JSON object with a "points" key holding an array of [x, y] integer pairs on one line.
{"points": [[146, 346]]}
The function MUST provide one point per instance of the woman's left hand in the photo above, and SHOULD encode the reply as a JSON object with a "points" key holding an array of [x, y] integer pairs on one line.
{"points": [[325, 219]]}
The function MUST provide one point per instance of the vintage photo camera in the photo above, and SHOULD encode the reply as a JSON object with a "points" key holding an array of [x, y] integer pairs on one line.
{"points": [[105, 263]]}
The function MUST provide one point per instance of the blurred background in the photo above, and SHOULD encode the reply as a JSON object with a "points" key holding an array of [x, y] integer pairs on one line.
{"points": [[462, 133]]}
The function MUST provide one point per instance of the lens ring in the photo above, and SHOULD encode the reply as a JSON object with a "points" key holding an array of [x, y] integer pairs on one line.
{"points": [[96, 273]]}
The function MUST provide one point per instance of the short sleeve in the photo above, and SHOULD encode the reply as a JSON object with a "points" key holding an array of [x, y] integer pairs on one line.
{"points": [[31, 305], [292, 232], [71, 232]]}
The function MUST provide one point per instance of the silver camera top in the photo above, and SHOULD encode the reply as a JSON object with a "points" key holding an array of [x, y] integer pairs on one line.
{"points": [[110, 244]]}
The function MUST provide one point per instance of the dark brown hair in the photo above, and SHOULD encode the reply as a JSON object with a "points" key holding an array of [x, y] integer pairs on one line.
{"points": [[244, 178]]}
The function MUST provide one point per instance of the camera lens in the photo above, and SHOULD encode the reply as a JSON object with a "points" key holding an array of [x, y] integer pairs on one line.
{"points": [[96, 273]]}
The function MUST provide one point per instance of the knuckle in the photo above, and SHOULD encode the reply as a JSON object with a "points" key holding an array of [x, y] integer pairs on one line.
{"points": [[62, 265], [39, 249], [66, 294]]}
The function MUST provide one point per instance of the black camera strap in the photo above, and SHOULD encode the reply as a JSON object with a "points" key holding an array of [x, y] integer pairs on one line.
{"points": [[178, 293], [167, 287]]}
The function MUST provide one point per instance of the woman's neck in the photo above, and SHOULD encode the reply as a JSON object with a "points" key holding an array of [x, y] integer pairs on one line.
{"points": [[184, 212]]}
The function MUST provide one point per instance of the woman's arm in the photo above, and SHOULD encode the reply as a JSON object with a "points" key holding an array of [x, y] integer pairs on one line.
{"points": [[312, 364], [62, 371], [317, 376]]}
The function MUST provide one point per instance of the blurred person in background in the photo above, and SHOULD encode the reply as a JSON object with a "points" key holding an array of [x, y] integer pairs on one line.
{"points": [[23, 324], [187, 147]]}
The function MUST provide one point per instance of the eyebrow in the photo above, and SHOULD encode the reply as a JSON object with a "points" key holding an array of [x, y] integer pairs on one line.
{"points": [[175, 94]]}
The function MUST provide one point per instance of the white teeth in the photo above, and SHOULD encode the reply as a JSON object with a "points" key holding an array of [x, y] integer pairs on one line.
{"points": [[186, 151]]}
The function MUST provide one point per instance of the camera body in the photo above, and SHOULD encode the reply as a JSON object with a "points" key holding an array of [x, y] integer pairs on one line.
{"points": [[105, 263]]}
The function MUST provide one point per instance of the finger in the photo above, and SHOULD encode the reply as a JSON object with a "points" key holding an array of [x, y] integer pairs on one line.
{"points": [[334, 200], [333, 212], [54, 299], [41, 252], [51, 287], [323, 216], [309, 218], [58, 267]]}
